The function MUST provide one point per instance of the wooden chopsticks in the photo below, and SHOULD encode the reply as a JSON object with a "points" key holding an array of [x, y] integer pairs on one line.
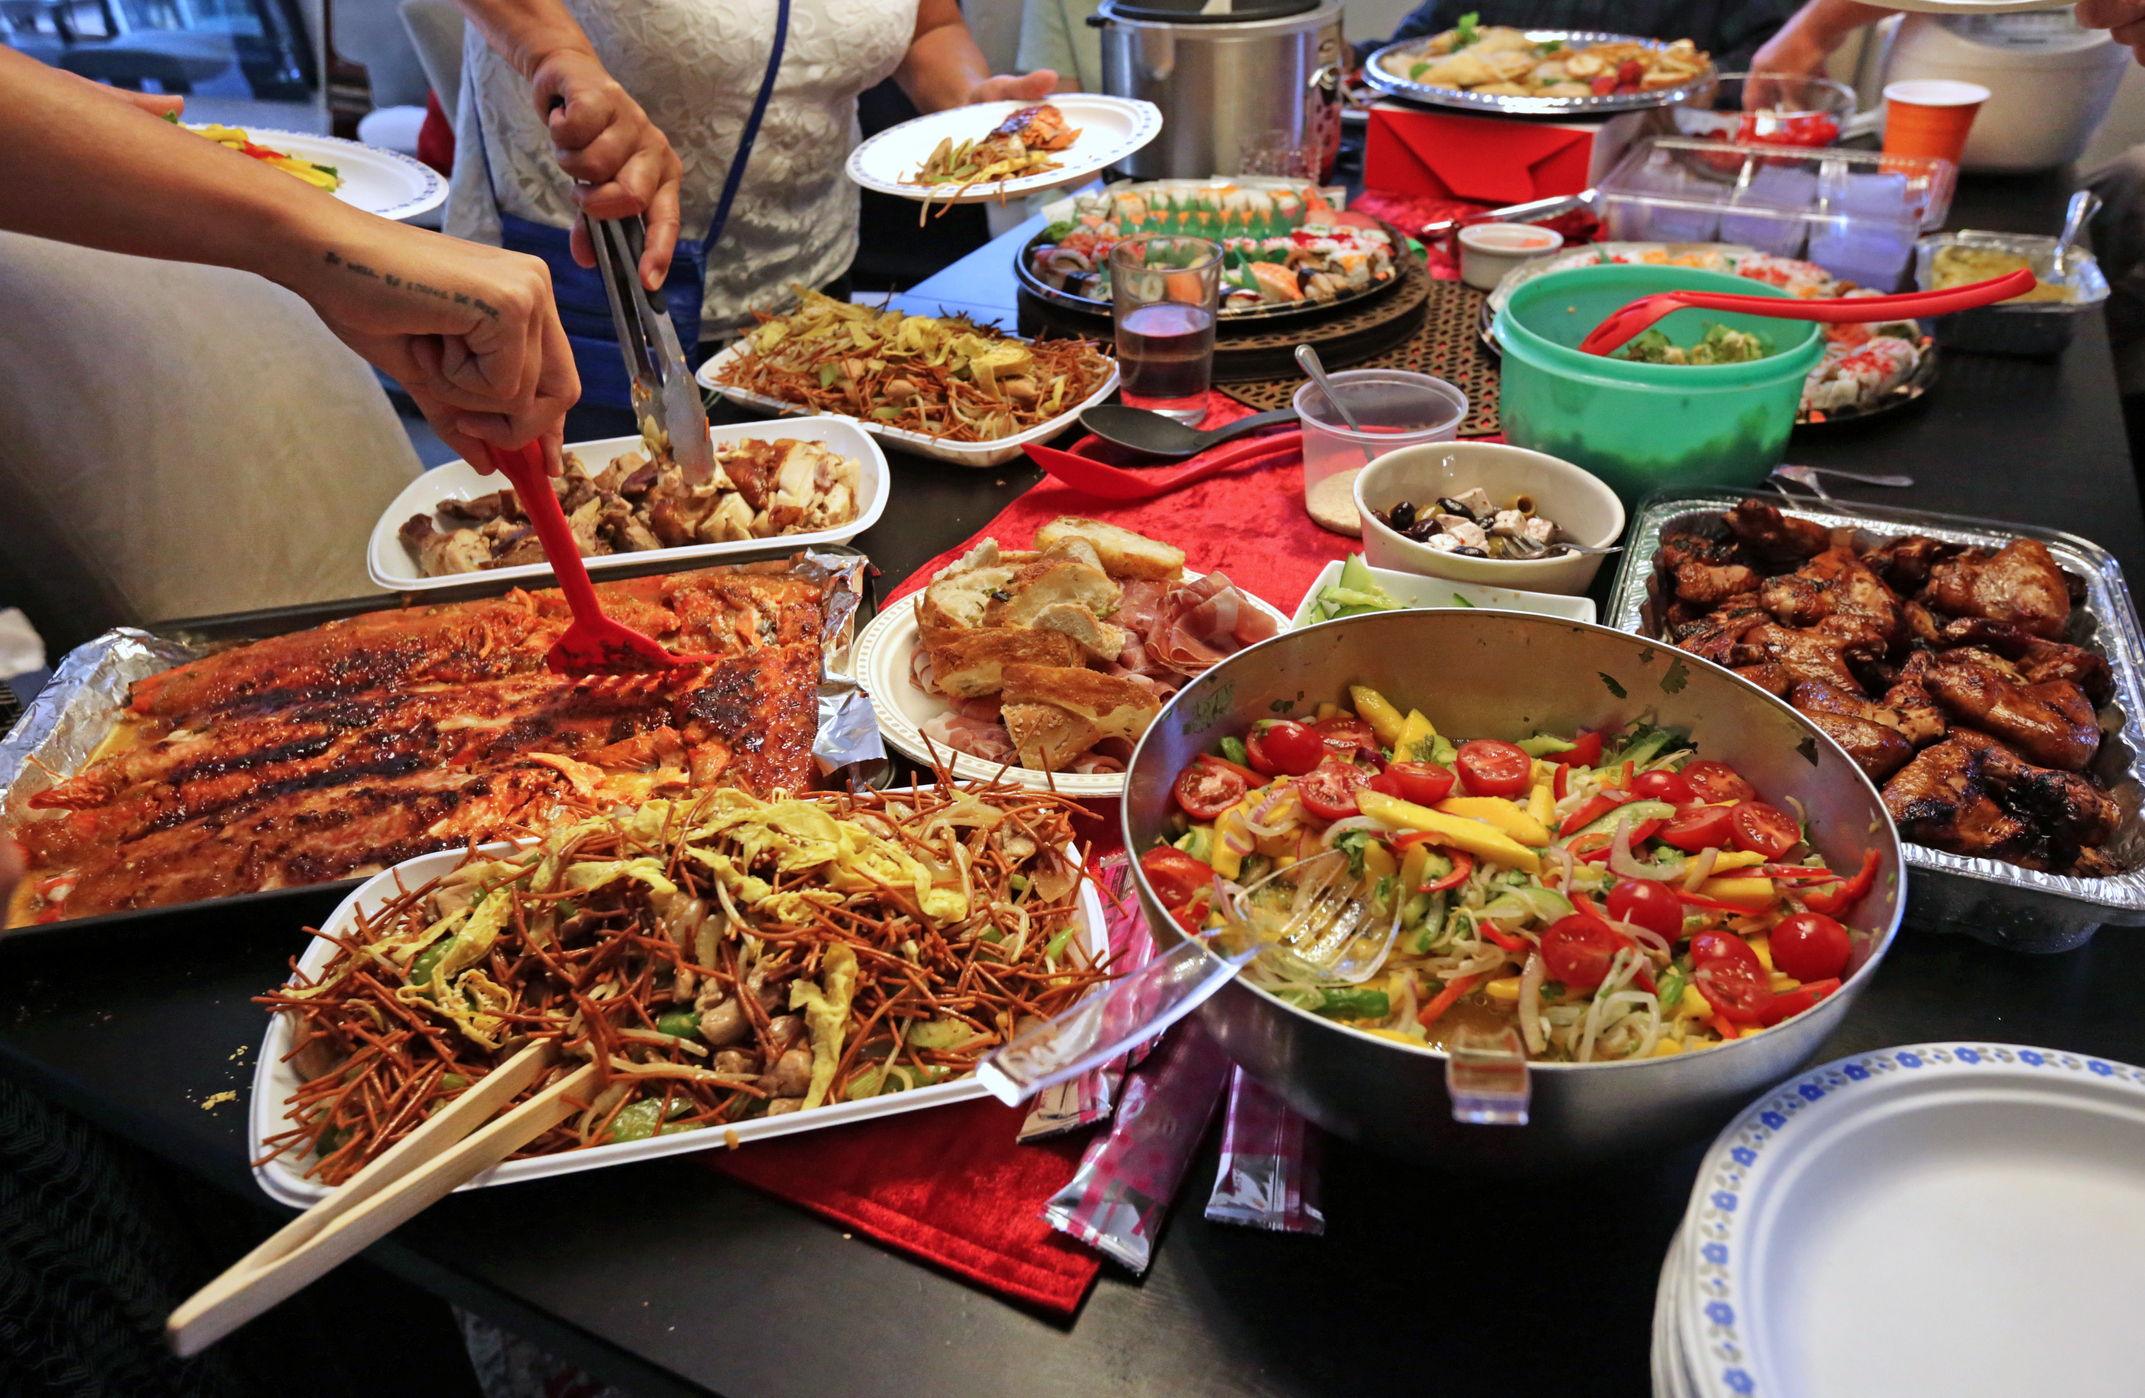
{"points": [[449, 1150]]}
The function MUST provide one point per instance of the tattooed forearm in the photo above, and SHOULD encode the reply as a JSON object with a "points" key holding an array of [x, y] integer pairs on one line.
{"points": [[421, 288]]}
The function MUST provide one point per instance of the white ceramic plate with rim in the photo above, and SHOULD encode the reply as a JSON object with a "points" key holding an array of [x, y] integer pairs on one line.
{"points": [[1961, 1219], [391, 565], [1418, 591], [883, 653], [978, 454], [383, 182], [1111, 128], [274, 1080]]}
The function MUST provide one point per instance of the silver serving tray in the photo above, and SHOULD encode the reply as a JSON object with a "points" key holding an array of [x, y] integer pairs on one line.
{"points": [[1392, 85], [1986, 898]]}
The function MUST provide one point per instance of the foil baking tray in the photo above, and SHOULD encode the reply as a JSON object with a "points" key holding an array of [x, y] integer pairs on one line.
{"points": [[1394, 85], [1996, 902], [87, 697]]}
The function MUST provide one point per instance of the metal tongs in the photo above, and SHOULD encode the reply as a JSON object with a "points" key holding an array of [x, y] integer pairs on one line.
{"points": [[665, 399]]}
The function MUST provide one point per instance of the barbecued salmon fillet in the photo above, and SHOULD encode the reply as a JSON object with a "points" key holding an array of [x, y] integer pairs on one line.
{"points": [[340, 750]]}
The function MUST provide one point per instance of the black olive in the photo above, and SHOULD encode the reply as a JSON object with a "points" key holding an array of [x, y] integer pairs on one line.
{"points": [[1423, 530], [1465, 551], [1402, 518], [1454, 507]]}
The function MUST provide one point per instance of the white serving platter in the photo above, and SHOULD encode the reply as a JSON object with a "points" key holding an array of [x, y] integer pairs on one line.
{"points": [[274, 1080], [383, 182], [1429, 594], [978, 454], [1958, 1219], [882, 656], [1111, 128], [391, 565]]}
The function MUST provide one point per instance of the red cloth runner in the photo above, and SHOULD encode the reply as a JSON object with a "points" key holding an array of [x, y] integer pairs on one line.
{"points": [[949, 1186]]}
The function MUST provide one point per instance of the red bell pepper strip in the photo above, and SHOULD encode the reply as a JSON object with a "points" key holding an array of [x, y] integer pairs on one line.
{"points": [[1557, 789], [1253, 780], [1463, 864], [1584, 753], [1834, 901], [1640, 833], [1504, 939], [1795, 873], [1446, 999], [1592, 811], [1789, 1003]]}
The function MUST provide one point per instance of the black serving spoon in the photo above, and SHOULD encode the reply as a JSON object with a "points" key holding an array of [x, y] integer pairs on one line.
{"points": [[1157, 435]]}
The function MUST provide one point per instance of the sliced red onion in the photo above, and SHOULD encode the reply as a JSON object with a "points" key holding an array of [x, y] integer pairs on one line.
{"points": [[1629, 866], [1701, 869], [1357, 822]]}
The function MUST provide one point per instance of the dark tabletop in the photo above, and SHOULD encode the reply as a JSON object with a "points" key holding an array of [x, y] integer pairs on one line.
{"points": [[667, 1278]]}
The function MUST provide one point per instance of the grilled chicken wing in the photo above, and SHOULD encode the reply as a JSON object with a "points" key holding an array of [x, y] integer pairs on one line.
{"points": [[1834, 583], [2052, 723], [1905, 562], [1820, 652], [1917, 716], [1716, 636], [2036, 660], [1774, 537], [1942, 799], [2020, 583], [2063, 805], [1872, 734]]}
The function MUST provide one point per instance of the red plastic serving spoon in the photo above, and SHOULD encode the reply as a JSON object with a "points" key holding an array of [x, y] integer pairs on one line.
{"points": [[1109, 482], [594, 644], [1621, 325]]}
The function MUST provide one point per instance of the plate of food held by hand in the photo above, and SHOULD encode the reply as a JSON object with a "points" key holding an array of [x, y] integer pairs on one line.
{"points": [[1004, 150], [1049, 663], [383, 182]]}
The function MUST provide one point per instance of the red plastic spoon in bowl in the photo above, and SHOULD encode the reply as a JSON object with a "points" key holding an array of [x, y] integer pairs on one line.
{"points": [[1621, 325], [594, 644]]}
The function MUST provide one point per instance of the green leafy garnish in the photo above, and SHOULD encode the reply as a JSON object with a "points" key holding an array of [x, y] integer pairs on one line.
{"points": [[1467, 31]]}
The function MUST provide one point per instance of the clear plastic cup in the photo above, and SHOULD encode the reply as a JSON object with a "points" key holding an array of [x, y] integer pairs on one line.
{"points": [[1393, 407]]}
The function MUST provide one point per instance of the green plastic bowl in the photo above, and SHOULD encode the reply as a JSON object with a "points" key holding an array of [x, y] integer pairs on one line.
{"points": [[1648, 427]]}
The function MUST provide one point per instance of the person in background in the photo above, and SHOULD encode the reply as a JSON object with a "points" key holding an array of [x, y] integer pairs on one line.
{"points": [[469, 332], [1056, 35], [574, 107], [1730, 30]]}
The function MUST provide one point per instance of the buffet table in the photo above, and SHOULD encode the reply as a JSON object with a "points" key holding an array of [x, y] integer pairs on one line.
{"points": [[668, 1279]]}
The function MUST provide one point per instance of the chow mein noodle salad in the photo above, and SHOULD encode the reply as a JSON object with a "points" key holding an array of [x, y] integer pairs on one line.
{"points": [[1609, 895]]}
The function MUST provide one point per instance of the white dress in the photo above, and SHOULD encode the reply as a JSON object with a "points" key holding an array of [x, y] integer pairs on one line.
{"points": [[695, 66]]}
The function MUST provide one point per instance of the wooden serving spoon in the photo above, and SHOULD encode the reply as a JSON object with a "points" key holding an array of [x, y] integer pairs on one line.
{"points": [[1621, 325]]}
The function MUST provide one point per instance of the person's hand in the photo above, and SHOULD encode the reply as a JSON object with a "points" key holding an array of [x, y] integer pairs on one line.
{"points": [[2123, 19], [470, 331], [620, 163], [1795, 49], [154, 103], [1018, 87]]}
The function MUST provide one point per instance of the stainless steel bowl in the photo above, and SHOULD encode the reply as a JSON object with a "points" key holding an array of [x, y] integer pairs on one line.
{"points": [[1481, 673]]}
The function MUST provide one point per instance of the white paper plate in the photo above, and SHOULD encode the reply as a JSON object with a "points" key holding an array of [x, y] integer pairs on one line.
{"points": [[959, 453], [1964, 1220], [1111, 128], [391, 566], [1431, 594], [274, 1080], [882, 656], [383, 182]]}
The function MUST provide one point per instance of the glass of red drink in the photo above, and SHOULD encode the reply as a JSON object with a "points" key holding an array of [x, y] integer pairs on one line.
{"points": [[1166, 289]]}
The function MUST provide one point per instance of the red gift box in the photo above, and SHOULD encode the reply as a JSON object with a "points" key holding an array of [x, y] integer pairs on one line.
{"points": [[1485, 160]]}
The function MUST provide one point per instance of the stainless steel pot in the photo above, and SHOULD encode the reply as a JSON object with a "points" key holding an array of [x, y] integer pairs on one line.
{"points": [[1481, 673], [1260, 75]]}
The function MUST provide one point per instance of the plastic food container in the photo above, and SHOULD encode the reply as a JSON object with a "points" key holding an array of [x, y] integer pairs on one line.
{"points": [[1854, 213], [2021, 327], [1489, 250], [1646, 427], [1396, 408]]}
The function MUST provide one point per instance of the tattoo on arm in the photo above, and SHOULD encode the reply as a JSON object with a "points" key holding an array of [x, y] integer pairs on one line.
{"points": [[405, 284]]}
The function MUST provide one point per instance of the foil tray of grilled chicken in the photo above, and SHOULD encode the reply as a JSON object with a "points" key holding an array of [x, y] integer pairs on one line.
{"points": [[1986, 676]]}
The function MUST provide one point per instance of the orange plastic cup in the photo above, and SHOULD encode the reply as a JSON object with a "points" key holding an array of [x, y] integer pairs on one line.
{"points": [[1930, 116]]}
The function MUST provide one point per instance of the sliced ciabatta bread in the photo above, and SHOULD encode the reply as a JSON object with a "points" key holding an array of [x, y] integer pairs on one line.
{"points": [[1047, 737], [1115, 706], [1124, 554], [966, 664], [1098, 639], [1048, 582]]}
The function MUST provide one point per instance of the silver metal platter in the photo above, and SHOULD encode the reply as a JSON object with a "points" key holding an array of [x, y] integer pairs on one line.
{"points": [[1393, 85], [1986, 898]]}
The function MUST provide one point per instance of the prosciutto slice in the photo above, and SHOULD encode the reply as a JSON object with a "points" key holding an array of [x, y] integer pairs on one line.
{"points": [[1202, 623], [984, 738]]}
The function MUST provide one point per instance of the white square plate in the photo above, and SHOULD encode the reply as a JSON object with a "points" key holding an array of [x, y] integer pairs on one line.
{"points": [[391, 566]]}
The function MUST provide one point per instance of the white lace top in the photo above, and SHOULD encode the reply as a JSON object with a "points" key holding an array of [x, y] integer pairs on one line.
{"points": [[696, 65]]}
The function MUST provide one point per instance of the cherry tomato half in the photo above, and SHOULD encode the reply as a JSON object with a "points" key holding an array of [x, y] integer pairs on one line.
{"points": [[1329, 790], [1205, 792], [1424, 783], [1717, 781], [1663, 786], [1490, 767], [1728, 973], [1698, 827], [1578, 950], [1285, 748], [1648, 904], [1345, 735], [1810, 947], [1176, 876], [1585, 751], [1763, 829]]}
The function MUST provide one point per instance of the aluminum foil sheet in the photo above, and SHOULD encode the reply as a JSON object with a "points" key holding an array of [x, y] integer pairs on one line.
{"points": [[1996, 902], [88, 693]]}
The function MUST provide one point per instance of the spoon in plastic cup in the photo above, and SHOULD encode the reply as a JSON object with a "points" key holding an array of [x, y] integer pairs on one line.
{"points": [[1307, 360], [1621, 325]]}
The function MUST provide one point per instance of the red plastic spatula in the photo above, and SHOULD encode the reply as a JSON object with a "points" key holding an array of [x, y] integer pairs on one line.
{"points": [[1621, 325], [594, 644]]}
